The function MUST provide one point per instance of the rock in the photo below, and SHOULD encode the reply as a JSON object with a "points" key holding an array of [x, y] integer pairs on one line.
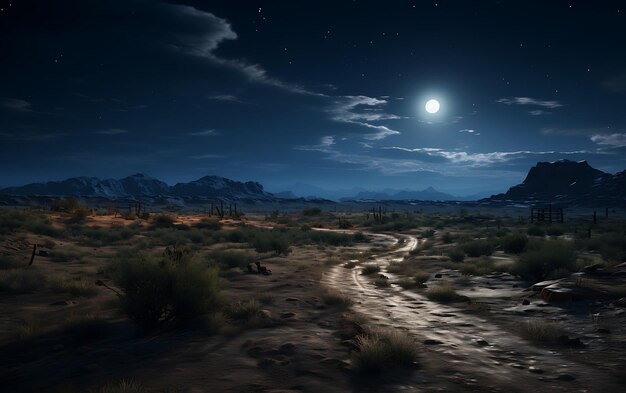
{"points": [[481, 342], [287, 348], [572, 342], [560, 293], [438, 275], [620, 303], [516, 365], [535, 370], [525, 302], [265, 363], [287, 315], [255, 351], [292, 299], [540, 285], [592, 268], [603, 331], [431, 342], [43, 253], [565, 377]]}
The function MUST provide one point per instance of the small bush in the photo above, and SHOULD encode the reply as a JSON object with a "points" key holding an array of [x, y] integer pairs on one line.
{"points": [[515, 243], [314, 211], [162, 221], [536, 231], [554, 231], [543, 331], [269, 243], [381, 281], [76, 287], [384, 350], [246, 312], [333, 297], [121, 386], [456, 255], [21, 280], [477, 248], [230, 259], [208, 223], [8, 263], [447, 238], [370, 269], [349, 265], [428, 233], [157, 291], [544, 258], [443, 292]]}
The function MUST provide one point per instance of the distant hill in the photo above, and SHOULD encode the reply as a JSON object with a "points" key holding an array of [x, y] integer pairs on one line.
{"points": [[141, 185], [428, 194], [567, 181]]}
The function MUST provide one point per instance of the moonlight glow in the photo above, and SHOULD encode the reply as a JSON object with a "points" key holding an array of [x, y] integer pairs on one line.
{"points": [[432, 106]]}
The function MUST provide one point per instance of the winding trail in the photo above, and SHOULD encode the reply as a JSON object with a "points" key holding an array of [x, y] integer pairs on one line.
{"points": [[465, 349]]}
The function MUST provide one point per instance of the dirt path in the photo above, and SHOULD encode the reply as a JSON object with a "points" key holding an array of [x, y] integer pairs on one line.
{"points": [[463, 348]]}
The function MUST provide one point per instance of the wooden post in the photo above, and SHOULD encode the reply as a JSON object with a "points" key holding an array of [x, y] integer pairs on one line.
{"points": [[594, 217], [32, 257]]}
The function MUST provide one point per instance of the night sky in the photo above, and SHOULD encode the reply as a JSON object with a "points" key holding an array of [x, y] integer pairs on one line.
{"points": [[326, 93]]}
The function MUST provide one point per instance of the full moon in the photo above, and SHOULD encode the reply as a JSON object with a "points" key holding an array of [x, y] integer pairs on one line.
{"points": [[432, 106]]}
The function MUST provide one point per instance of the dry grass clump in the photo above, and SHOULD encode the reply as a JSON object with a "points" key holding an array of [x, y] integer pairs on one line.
{"points": [[333, 297], [543, 331], [384, 350], [244, 313], [21, 280], [382, 281], [443, 292], [77, 287], [370, 269]]}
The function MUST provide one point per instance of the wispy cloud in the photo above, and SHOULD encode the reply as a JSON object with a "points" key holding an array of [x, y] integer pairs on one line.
{"points": [[327, 140], [529, 101], [29, 137], [16, 104], [204, 133], [469, 131], [612, 140], [364, 111], [539, 112], [111, 131], [207, 156], [225, 97]]}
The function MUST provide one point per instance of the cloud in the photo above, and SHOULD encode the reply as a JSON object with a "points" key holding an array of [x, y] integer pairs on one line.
{"points": [[576, 131], [616, 84], [470, 131], [204, 133], [529, 101], [111, 131], [327, 141], [613, 140], [16, 104], [363, 110], [224, 97], [207, 156], [539, 112]]}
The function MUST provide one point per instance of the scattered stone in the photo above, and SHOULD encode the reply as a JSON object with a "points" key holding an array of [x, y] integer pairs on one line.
{"points": [[620, 303], [592, 268], [565, 377], [481, 342], [431, 342], [287, 348], [43, 253], [535, 370], [267, 362], [525, 302], [292, 299], [604, 331], [287, 315], [516, 365], [438, 275]]}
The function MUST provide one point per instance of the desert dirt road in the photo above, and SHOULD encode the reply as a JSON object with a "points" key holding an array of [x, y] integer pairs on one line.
{"points": [[464, 349]]}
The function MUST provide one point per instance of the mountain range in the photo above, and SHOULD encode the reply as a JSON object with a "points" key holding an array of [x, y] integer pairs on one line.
{"points": [[563, 181]]}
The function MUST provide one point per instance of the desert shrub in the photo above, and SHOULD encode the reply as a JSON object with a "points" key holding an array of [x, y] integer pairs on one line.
{"points": [[96, 236], [370, 269], [543, 331], [421, 276], [230, 259], [344, 224], [14, 220], [121, 386], [554, 231], [65, 254], [162, 221], [209, 223], [428, 233], [270, 243], [477, 248], [536, 231], [611, 245], [9, 263], [544, 258], [21, 280], [349, 265], [481, 266], [514, 243], [359, 237], [456, 255], [443, 292], [77, 287], [81, 330], [384, 350], [447, 238], [244, 312], [333, 297], [169, 236], [381, 281], [155, 291], [313, 211]]}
